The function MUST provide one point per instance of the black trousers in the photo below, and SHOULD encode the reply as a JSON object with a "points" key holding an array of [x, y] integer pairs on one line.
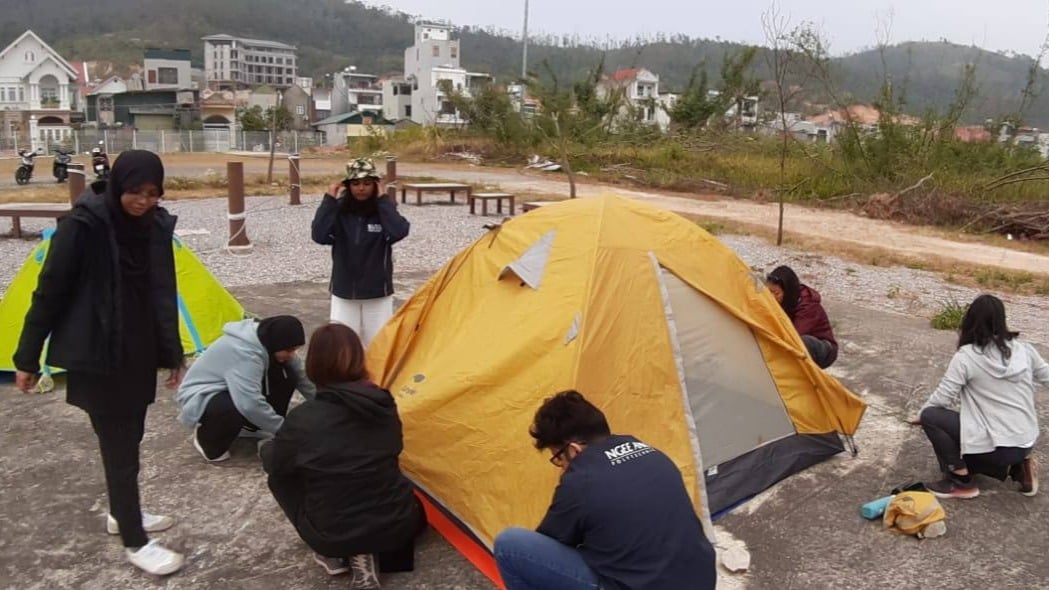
{"points": [[119, 436], [943, 428], [290, 492], [222, 422], [819, 350]]}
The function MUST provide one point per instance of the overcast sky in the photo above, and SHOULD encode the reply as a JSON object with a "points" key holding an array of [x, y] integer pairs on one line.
{"points": [[1003, 25]]}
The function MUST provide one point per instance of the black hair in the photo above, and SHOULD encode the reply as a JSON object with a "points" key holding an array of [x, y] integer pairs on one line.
{"points": [[788, 280], [567, 417], [984, 323]]}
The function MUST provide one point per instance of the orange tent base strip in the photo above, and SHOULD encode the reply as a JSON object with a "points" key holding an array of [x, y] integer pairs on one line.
{"points": [[465, 543]]}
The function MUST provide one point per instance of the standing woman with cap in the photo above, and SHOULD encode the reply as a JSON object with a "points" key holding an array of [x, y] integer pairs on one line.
{"points": [[361, 224], [107, 299], [243, 383]]}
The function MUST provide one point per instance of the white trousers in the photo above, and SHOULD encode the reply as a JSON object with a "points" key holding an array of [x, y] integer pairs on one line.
{"points": [[365, 316]]}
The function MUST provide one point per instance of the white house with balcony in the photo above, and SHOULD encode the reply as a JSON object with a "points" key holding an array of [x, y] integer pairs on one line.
{"points": [[640, 95], [431, 68], [355, 92], [37, 94]]}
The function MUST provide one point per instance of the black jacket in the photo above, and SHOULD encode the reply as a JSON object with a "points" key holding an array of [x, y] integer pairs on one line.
{"points": [[343, 448], [77, 298], [362, 253]]}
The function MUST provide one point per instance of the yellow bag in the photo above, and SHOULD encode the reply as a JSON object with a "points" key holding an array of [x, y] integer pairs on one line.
{"points": [[912, 513]]}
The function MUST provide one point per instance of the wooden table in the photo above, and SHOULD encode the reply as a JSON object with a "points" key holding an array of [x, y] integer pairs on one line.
{"points": [[485, 197], [16, 211], [433, 187]]}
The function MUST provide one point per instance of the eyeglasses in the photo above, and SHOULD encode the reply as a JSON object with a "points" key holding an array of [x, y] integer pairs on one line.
{"points": [[557, 459]]}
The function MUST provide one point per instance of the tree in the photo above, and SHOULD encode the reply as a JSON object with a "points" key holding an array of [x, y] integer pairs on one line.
{"points": [[253, 119], [698, 106], [577, 114]]}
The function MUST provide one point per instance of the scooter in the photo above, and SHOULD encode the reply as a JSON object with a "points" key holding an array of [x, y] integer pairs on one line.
{"points": [[25, 169], [60, 169], [100, 163]]}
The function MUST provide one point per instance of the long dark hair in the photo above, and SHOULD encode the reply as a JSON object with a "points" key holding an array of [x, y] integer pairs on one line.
{"points": [[984, 323], [788, 280]]}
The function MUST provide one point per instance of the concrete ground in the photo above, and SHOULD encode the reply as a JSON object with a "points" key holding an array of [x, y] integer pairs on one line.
{"points": [[805, 532]]}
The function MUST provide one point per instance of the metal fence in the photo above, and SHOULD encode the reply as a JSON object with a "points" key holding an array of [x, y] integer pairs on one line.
{"points": [[206, 140]]}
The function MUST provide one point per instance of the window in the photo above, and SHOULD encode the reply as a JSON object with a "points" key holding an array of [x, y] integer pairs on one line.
{"points": [[396, 90], [30, 57], [151, 76], [455, 51], [447, 108], [437, 51], [21, 94], [167, 76], [300, 109], [49, 97], [408, 111]]}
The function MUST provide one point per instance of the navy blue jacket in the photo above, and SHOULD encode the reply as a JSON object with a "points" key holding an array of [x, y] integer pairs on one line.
{"points": [[362, 253], [623, 504]]}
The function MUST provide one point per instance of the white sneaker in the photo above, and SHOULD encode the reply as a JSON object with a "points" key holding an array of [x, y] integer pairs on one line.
{"points": [[364, 576], [196, 445], [151, 523], [156, 559]]}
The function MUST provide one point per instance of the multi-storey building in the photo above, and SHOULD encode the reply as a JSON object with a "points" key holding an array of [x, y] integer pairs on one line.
{"points": [[233, 62]]}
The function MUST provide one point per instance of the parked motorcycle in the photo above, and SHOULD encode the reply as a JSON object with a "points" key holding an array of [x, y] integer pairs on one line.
{"points": [[100, 163], [60, 169], [25, 169]]}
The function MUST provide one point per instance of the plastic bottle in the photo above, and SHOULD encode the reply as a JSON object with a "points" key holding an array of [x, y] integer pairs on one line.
{"points": [[876, 508]]}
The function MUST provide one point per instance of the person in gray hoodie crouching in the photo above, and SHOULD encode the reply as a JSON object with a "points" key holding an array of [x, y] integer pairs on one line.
{"points": [[991, 381], [243, 384]]}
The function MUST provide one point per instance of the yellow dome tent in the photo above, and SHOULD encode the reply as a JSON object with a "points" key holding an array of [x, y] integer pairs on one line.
{"points": [[204, 304], [653, 319]]}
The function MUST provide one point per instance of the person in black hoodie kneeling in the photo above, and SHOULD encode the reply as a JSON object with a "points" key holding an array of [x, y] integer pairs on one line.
{"points": [[333, 466]]}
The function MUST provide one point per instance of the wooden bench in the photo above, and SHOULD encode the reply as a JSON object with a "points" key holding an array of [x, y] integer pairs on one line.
{"points": [[432, 187], [16, 211], [526, 207], [485, 197]]}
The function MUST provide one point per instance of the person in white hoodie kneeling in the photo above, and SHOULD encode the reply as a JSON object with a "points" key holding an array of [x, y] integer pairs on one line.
{"points": [[243, 384], [991, 378]]}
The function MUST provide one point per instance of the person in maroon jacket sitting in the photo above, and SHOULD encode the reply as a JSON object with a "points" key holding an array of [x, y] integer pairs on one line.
{"points": [[803, 307]]}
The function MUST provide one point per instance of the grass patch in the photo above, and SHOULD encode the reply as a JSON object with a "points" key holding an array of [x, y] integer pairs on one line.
{"points": [[950, 316]]}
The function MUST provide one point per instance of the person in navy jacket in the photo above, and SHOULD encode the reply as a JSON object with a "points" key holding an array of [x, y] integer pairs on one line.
{"points": [[361, 224], [620, 518]]}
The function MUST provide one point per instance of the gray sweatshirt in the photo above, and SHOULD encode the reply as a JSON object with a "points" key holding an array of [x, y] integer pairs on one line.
{"points": [[996, 396], [236, 363]]}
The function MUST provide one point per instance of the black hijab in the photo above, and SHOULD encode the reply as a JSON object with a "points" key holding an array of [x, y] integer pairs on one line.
{"points": [[131, 170]]}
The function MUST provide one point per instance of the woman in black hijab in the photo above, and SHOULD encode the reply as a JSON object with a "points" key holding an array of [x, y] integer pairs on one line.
{"points": [[107, 299]]}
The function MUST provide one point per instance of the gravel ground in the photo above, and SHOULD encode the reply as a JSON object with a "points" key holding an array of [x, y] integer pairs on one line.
{"points": [[283, 252]]}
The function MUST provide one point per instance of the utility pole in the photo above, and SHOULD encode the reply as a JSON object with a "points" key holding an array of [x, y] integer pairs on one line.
{"points": [[524, 41], [273, 139]]}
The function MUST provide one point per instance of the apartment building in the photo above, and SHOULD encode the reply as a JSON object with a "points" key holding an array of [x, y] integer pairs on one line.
{"points": [[234, 62]]}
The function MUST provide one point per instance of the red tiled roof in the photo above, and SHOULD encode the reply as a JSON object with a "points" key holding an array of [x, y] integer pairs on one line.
{"points": [[623, 75]]}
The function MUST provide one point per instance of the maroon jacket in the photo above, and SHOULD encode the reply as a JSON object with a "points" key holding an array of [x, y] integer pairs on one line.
{"points": [[811, 319]]}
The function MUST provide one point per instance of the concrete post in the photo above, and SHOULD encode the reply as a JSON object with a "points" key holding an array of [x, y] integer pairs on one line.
{"points": [[238, 234], [293, 179], [77, 181]]}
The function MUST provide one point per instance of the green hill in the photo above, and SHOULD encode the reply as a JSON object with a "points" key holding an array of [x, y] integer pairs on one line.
{"points": [[331, 34]]}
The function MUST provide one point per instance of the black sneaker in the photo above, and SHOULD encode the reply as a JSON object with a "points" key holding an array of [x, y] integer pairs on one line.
{"points": [[364, 576], [949, 487]]}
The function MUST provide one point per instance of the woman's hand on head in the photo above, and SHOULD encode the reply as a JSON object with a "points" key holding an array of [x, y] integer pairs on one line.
{"points": [[335, 189]]}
